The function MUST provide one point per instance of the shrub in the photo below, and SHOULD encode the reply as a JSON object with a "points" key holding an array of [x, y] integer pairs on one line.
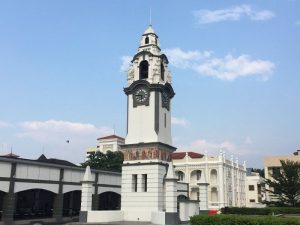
{"points": [[261, 211], [241, 220]]}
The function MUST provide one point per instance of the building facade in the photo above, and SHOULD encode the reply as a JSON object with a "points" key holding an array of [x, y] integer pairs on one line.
{"points": [[226, 179], [107, 143], [255, 190], [49, 190], [272, 165]]}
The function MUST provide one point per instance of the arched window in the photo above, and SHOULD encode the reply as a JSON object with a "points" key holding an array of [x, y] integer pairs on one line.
{"points": [[146, 40], [213, 176], [214, 195], [180, 175], [195, 176], [198, 174], [144, 68], [162, 71]]}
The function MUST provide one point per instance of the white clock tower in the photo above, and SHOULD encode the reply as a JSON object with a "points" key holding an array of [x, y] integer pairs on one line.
{"points": [[148, 144]]}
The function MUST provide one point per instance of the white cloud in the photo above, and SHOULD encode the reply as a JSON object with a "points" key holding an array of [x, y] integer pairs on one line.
{"points": [[203, 145], [126, 62], [232, 14], [230, 68], [226, 68], [58, 131], [53, 136], [179, 121], [184, 59], [4, 124]]}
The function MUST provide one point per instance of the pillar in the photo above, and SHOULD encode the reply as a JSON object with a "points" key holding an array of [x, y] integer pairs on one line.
{"points": [[171, 196], [86, 195], [59, 199], [95, 196]]}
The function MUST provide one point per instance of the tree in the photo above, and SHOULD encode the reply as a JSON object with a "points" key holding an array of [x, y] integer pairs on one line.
{"points": [[110, 161], [261, 172], [285, 183]]}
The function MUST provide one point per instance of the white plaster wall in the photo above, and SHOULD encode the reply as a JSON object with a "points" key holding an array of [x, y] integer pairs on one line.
{"points": [[5, 169], [188, 209], [137, 215], [158, 218], [141, 122], [142, 202], [104, 216], [25, 171], [112, 179], [164, 134], [68, 188], [21, 186], [74, 175], [4, 186]]}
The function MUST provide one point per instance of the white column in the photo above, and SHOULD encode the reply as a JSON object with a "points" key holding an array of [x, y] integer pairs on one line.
{"points": [[171, 190], [203, 191], [87, 190]]}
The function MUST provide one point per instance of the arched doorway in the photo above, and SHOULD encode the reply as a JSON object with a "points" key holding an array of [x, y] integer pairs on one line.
{"points": [[109, 201], [71, 205], [34, 203]]}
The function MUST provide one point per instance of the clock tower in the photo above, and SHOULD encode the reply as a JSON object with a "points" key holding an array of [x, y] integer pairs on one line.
{"points": [[148, 143]]}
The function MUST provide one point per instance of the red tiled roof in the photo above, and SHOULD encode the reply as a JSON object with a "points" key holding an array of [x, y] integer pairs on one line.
{"points": [[109, 137], [181, 155]]}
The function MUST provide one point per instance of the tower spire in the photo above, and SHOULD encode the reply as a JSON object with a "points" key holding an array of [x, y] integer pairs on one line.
{"points": [[150, 19]]}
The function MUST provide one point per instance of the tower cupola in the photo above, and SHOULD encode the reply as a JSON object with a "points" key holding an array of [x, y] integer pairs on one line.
{"points": [[149, 41]]}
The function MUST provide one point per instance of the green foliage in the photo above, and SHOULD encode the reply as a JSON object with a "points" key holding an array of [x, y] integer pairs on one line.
{"points": [[286, 183], [261, 211], [241, 220], [110, 161], [261, 172]]}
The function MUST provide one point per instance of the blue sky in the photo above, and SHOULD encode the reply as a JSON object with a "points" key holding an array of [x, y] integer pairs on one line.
{"points": [[235, 70]]}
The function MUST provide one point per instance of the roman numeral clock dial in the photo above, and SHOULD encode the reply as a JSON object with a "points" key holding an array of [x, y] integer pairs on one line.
{"points": [[141, 96]]}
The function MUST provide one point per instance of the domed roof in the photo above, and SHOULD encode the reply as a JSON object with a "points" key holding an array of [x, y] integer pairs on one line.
{"points": [[149, 30]]}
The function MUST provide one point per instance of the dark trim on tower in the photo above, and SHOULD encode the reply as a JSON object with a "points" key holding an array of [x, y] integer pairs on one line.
{"points": [[149, 45], [152, 87], [162, 56], [156, 113], [150, 33]]}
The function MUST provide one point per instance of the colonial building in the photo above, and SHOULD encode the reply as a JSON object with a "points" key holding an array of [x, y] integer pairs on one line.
{"points": [[107, 143], [225, 178], [272, 165], [255, 190]]}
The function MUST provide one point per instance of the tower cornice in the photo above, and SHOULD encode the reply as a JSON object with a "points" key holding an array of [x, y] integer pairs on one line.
{"points": [[162, 56], [152, 87]]}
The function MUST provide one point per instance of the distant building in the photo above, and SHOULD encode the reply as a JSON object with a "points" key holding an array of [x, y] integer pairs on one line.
{"points": [[108, 143], [226, 179], [272, 165], [255, 189]]}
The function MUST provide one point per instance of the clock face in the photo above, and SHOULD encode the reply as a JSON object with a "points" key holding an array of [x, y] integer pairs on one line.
{"points": [[141, 96]]}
